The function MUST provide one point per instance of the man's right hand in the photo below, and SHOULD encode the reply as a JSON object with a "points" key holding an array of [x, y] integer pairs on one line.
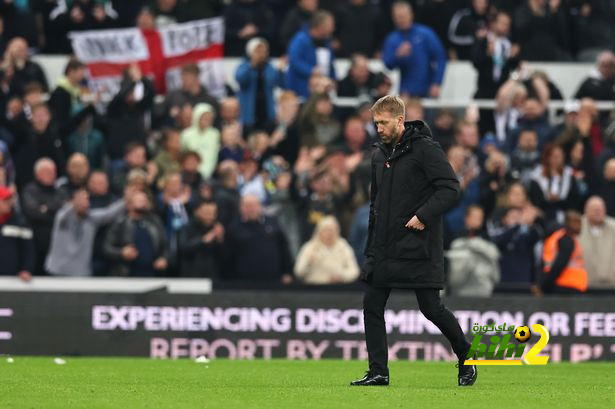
{"points": [[129, 253], [404, 49]]}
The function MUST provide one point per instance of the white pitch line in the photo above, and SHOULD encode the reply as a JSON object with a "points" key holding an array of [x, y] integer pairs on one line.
{"points": [[5, 335]]}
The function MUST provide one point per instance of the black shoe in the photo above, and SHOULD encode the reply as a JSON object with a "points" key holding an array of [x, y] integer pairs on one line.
{"points": [[371, 380], [467, 373]]}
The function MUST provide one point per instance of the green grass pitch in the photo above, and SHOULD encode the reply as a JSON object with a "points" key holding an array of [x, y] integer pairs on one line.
{"points": [[142, 383]]}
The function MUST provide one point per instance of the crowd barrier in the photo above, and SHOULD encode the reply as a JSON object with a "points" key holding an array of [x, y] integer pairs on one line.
{"points": [[150, 319]]}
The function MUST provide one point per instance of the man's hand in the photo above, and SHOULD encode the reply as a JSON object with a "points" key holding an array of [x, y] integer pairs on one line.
{"points": [[25, 276], [536, 290], [129, 253], [287, 279], [404, 49], [434, 91], [161, 263], [415, 224]]}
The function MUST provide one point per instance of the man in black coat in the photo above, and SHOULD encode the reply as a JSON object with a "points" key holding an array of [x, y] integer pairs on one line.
{"points": [[16, 247], [413, 185]]}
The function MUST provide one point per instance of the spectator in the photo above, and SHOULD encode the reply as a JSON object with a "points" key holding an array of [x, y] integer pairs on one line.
{"points": [[203, 138], [284, 137], [167, 12], [355, 137], [136, 244], [127, 111], [66, 99], [542, 30], [244, 20], [77, 172], [600, 85], [516, 239], [326, 258], [563, 262], [257, 79], [598, 241], [310, 51], [494, 179], [16, 247], [525, 157], [509, 103], [201, 243], [296, 19], [226, 194], [100, 197], [467, 171], [473, 261], [20, 69], [134, 158], [231, 144], [593, 28], [74, 231], [229, 112], [494, 56], [167, 160], [189, 163], [317, 125], [417, 52], [360, 82], [553, 187], [466, 25], [174, 206], [360, 28], [444, 128], [359, 227], [607, 187], [89, 141], [533, 116], [251, 237], [191, 92], [40, 200]]}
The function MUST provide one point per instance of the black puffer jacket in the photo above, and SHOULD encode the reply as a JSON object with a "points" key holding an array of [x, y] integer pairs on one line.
{"points": [[413, 178]]}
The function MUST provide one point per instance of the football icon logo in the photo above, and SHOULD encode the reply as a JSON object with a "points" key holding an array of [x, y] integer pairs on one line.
{"points": [[522, 333]]}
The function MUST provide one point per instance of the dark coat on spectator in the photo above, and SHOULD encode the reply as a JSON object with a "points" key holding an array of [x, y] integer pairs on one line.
{"points": [[16, 246], [198, 259], [121, 234], [247, 242], [39, 205], [31, 72], [413, 178], [126, 122]]}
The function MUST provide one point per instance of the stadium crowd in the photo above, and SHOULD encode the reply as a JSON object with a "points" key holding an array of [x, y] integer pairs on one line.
{"points": [[271, 182]]}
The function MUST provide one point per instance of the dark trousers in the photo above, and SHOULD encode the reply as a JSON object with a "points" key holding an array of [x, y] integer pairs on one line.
{"points": [[431, 306]]}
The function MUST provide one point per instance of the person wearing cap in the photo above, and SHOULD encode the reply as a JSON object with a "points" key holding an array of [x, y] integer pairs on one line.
{"points": [[257, 79], [16, 246]]}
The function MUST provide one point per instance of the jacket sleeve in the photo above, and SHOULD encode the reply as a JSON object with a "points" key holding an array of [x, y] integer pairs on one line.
{"points": [[107, 214], [303, 265], [242, 74], [441, 176], [35, 210], [295, 55], [372, 209], [111, 249], [389, 58], [437, 57]]}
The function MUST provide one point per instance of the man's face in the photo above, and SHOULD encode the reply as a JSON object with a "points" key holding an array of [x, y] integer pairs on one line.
{"points": [[574, 224], [501, 25], [308, 5], [250, 208], [474, 219], [387, 126], [81, 202], [78, 168], [468, 136], [260, 53], [40, 119], [189, 80], [139, 202], [528, 141], [136, 158], [46, 174], [98, 184], [360, 71], [77, 75], [207, 214], [606, 65], [229, 109], [402, 17], [355, 133], [595, 211]]}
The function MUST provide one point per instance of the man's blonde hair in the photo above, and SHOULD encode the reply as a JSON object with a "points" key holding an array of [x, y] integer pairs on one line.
{"points": [[391, 104]]}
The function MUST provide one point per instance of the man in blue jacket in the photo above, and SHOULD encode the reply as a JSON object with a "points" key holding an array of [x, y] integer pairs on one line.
{"points": [[417, 52], [310, 52], [257, 79]]}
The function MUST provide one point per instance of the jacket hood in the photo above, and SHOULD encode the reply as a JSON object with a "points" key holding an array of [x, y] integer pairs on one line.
{"points": [[198, 111], [416, 130]]}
